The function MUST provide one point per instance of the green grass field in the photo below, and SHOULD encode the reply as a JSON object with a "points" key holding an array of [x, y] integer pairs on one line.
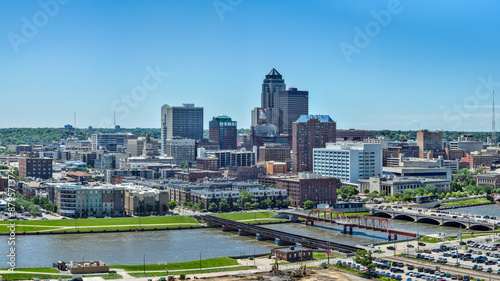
{"points": [[162, 273], [215, 262], [43, 269], [465, 202], [100, 224], [28, 276], [250, 217], [428, 239]]}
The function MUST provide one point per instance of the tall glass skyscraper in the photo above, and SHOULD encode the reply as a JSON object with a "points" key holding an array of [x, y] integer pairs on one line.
{"points": [[184, 121]]}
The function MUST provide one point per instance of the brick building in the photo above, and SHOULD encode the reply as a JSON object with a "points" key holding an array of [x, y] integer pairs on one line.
{"points": [[207, 163], [308, 186], [35, 167], [276, 153], [491, 179], [310, 131]]}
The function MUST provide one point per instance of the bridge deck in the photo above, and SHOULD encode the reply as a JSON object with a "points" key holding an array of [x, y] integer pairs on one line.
{"points": [[285, 236], [370, 226]]}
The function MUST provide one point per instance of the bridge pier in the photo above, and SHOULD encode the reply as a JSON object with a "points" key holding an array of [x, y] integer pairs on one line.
{"points": [[226, 229], [389, 238], [283, 242], [260, 237], [309, 222], [243, 233], [345, 229]]}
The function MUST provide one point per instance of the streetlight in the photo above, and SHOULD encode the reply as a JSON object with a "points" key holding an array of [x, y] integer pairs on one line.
{"points": [[200, 262], [254, 257]]}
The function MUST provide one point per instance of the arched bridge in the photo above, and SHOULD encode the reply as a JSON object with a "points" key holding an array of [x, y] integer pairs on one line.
{"points": [[432, 218]]}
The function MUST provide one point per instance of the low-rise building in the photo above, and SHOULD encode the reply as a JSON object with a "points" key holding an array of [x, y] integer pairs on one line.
{"points": [[309, 186], [392, 185]]}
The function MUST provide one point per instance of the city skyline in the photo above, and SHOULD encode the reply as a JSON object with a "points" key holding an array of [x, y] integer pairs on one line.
{"points": [[369, 65]]}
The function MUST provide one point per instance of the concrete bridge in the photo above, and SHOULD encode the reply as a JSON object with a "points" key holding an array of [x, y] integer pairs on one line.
{"points": [[432, 218]]}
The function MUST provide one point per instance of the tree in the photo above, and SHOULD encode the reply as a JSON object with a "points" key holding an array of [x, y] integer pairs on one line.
{"points": [[398, 194], [213, 207], [347, 191], [266, 203], [171, 205], [364, 258], [224, 206], [430, 188], [287, 202], [278, 203], [308, 204], [184, 164], [409, 192], [236, 206], [165, 208], [246, 196], [366, 191], [201, 205], [255, 205], [248, 205]]}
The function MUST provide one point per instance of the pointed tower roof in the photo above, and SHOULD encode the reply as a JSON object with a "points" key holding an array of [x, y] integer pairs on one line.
{"points": [[273, 74]]}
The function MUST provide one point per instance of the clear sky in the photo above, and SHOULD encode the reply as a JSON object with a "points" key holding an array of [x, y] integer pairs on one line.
{"points": [[368, 64]]}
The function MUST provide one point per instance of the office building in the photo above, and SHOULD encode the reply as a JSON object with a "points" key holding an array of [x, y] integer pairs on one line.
{"points": [[348, 161], [293, 104], [232, 158], [429, 143], [184, 121], [222, 130], [354, 135], [392, 185], [110, 141], [467, 142], [35, 167], [180, 149], [309, 132], [136, 146], [275, 152], [308, 186]]}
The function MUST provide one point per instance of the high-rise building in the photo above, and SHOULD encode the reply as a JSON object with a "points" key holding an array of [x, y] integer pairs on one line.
{"points": [[429, 141], [270, 110], [293, 104], [348, 161], [310, 131], [180, 149], [222, 129], [184, 121], [271, 87]]}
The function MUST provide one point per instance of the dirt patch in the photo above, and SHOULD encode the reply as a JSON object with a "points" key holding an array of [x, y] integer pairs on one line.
{"points": [[315, 275]]}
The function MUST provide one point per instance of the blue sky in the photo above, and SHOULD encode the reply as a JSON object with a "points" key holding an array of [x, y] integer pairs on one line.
{"points": [[432, 64]]}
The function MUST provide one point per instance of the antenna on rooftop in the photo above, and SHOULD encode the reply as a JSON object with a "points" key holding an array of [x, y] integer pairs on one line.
{"points": [[493, 137]]}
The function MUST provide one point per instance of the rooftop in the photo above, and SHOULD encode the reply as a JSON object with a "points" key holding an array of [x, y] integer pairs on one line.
{"points": [[321, 118]]}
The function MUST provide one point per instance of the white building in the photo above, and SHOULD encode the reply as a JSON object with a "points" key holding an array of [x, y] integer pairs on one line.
{"points": [[348, 161]]}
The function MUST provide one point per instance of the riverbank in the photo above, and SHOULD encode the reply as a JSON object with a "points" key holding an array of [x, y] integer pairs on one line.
{"points": [[125, 224], [465, 203]]}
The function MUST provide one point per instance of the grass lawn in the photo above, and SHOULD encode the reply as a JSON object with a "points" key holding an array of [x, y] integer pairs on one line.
{"points": [[28, 276], [162, 273], [428, 239], [215, 262], [111, 276], [465, 202], [324, 256], [100, 224], [358, 214], [44, 269], [246, 216]]}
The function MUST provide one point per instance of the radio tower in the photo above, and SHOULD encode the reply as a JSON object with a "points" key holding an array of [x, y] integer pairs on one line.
{"points": [[493, 137]]}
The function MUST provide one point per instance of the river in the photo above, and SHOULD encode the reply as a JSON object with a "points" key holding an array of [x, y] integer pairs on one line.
{"points": [[184, 245]]}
